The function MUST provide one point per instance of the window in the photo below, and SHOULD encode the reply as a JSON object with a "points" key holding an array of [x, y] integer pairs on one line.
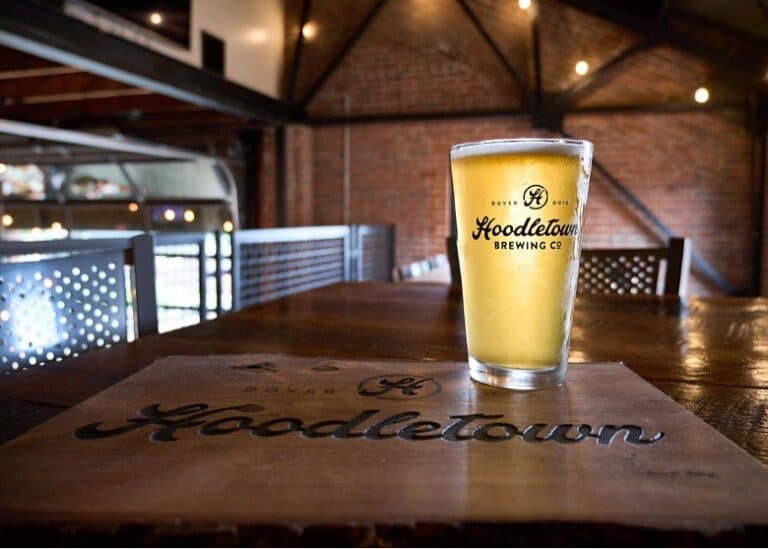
{"points": [[97, 182], [195, 180], [25, 181]]}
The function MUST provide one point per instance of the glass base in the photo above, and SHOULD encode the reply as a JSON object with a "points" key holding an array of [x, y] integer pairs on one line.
{"points": [[520, 379]]}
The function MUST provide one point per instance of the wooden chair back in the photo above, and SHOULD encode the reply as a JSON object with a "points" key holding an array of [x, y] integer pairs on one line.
{"points": [[661, 271]]}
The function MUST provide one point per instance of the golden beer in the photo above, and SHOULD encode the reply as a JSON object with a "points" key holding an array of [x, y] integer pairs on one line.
{"points": [[519, 213]]}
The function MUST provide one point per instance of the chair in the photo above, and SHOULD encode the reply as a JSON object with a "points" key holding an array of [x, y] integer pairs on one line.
{"points": [[661, 271], [66, 297]]}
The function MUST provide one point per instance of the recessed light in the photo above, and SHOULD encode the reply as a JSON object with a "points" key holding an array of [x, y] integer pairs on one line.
{"points": [[701, 95], [309, 31]]}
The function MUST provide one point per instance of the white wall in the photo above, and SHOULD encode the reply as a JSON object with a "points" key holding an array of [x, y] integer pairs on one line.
{"points": [[251, 29], [253, 32]]}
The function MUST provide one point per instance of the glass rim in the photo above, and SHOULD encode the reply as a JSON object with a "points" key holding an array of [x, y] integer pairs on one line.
{"points": [[556, 143]]}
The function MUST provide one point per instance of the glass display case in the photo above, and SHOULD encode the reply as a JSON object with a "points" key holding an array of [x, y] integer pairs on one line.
{"points": [[91, 182]]}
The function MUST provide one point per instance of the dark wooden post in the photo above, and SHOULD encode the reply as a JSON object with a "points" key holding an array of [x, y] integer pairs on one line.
{"points": [[678, 266], [758, 126], [280, 157]]}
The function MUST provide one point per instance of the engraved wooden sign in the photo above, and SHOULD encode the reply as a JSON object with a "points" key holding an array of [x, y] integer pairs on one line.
{"points": [[274, 439]]}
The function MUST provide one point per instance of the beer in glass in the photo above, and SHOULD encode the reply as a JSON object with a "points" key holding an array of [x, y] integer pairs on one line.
{"points": [[519, 214]]}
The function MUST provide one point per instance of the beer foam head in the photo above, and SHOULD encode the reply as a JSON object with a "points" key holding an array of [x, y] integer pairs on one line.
{"points": [[565, 147]]}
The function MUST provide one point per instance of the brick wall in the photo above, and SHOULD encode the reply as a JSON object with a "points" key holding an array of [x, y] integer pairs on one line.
{"points": [[267, 180], [407, 62], [692, 169], [298, 176]]}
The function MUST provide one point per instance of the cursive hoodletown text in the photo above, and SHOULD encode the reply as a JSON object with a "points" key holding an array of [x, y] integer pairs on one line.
{"points": [[402, 425], [487, 227]]}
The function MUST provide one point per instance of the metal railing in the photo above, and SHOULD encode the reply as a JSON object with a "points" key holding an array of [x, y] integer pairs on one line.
{"points": [[273, 263], [201, 275]]}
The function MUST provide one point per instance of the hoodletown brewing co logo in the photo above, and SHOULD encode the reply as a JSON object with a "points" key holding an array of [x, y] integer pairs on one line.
{"points": [[534, 233], [535, 197], [164, 425]]}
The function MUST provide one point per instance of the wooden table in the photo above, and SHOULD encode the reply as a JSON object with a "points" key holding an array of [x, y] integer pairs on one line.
{"points": [[709, 354]]}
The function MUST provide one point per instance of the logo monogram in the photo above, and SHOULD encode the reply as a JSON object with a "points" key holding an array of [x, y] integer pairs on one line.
{"points": [[398, 387], [535, 197]]}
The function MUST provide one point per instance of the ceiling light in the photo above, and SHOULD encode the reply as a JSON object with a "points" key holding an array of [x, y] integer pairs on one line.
{"points": [[228, 226], [56, 226], [524, 4], [133, 207], [701, 95], [258, 36], [156, 18], [309, 31], [581, 68], [7, 220], [169, 215], [189, 216]]}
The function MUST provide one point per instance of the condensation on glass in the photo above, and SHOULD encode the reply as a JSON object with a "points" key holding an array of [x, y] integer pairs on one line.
{"points": [[519, 213]]}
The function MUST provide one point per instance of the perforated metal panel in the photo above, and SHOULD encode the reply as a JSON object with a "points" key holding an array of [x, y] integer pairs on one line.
{"points": [[269, 270], [59, 307], [621, 271], [376, 257]]}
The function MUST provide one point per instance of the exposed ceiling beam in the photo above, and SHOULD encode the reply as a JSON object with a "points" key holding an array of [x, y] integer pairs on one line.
{"points": [[414, 116], [101, 142], [63, 83], [763, 8], [342, 53], [656, 108], [650, 108], [128, 105], [513, 72], [297, 50], [612, 12], [40, 29], [604, 74], [13, 60], [686, 19], [36, 73]]}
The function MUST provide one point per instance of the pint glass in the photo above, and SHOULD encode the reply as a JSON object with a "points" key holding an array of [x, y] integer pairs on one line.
{"points": [[519, 214]]}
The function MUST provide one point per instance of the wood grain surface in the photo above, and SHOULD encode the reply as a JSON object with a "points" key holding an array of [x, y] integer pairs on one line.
{"points": [[709, 354], [277, 439]]}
